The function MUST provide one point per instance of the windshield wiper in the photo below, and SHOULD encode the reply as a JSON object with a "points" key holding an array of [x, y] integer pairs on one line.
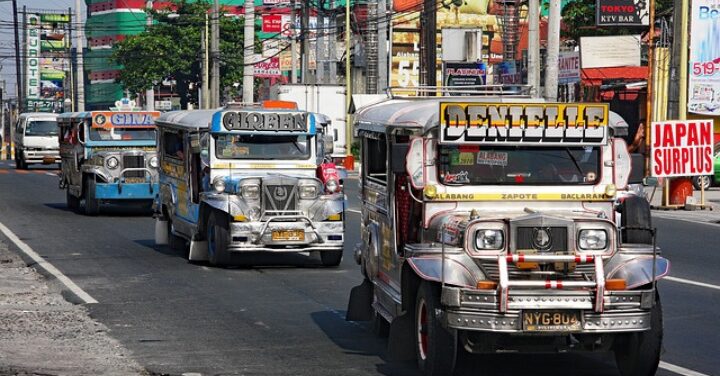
{"points": [[574, 161]]}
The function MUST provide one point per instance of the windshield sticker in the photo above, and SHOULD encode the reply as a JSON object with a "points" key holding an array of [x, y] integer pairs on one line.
{"points": [[492, 158], [462, 159], [459, 178], [590, 177]]}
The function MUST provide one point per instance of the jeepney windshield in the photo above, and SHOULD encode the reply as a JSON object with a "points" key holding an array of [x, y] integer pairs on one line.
{"points": [[505, 165], [41, 128], [235, 146], [122, 134]]}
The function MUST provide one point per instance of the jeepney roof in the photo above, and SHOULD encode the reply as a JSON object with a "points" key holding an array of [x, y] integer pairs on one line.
{"points": [[419, 113], [73, 116], [187, 119]]}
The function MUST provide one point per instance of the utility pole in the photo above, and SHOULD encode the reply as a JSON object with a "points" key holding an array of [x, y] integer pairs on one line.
{"points": [[293, 43], [80, 73], [320, 47], [382, 32], [305, 26], [249, 55], [215, 55], [349, 162], [18, 67], [332, 47], [534, 47], [553, 52], [371, 38], [149, 93], [428, 44], [205, 104]]}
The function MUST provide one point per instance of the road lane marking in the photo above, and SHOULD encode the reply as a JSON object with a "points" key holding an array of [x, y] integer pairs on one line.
{"points": [[353, 211], [679, 370], [690, 282], [50, 174], [50, 268]]}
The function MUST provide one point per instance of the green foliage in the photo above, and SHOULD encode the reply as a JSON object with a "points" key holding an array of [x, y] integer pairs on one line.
{"points": [[170, 48]]}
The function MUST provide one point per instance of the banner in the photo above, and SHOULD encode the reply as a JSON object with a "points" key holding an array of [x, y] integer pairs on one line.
{"points": [[46, 60], [622, 13], [32, 88], [682, 148], [704, 70]]}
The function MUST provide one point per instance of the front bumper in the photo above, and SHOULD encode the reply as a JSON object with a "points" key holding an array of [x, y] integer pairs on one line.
{"points": [[42, 156], [126, 191], [477, 310], [258, 236]]}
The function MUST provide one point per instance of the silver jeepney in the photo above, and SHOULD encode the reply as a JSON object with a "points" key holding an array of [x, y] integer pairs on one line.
{"points": [[249, 179], [495, 224]]}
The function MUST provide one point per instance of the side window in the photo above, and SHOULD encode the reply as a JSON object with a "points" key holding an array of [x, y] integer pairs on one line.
{"points": [[172, 145], [375, 158]]}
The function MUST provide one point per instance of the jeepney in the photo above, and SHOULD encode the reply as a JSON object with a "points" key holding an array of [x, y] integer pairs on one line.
{"points": [[249, 178], [500, 224], [108, 157]]}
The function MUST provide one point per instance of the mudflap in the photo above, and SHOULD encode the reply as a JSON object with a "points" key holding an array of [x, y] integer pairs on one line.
{"points": [[401, 341], [161, 232], [198, 250], [360, 303]]}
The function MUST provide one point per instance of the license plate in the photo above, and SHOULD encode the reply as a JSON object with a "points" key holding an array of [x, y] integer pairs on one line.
{"points": [[288, 235], [551, 321], [134, 180]]}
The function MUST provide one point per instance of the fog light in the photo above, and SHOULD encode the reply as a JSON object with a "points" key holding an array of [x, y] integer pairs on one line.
{"points": [[615, 284], [486, 285]]}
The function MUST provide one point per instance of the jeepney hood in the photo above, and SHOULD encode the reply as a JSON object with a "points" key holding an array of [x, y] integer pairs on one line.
{"points": [[464, 218], [101, 150], [237, 174]]}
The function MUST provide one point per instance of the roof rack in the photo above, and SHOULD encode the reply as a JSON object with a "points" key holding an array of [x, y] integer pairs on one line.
{"points": [[472, 90]]}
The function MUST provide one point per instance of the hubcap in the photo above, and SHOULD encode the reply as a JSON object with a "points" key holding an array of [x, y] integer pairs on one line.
{"points": [[422, 332]]}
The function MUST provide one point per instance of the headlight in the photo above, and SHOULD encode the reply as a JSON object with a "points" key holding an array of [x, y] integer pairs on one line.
{"points": [[250, 191], [592, 239], [489, 239], [308, 192], [332, 186], [219, 185], [254, 214], [154, 162], [112, 163]]}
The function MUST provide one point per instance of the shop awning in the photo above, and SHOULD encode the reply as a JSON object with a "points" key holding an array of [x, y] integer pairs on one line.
{"points": [[599, 76]]}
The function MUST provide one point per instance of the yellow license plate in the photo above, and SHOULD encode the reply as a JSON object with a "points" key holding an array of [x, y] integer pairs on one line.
{"points": [[288, 235], [134, 180], [551, 321]]}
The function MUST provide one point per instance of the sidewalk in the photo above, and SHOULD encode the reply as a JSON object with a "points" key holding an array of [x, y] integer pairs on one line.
{"points": [[43, 334], [710, 215]]}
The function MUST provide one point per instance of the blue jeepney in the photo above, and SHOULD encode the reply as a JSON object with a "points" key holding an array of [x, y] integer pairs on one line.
{"points": [[248, 179], [108, 157]]}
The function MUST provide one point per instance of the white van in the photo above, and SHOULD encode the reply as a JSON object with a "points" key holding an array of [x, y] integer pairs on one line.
{"points": [[36, 139]]}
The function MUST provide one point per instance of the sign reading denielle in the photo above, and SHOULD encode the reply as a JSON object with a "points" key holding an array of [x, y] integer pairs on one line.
{"points": [[32, 90], [522, 123]]}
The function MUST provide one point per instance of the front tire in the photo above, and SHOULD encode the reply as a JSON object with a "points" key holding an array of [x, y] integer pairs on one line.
{"points": [[435, 346], [331, 258], [638, 354], [635, 212], [92, 205], [702, 182], [218, 239]]}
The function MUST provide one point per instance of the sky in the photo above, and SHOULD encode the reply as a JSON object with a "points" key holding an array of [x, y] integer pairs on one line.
{"points": [[7, 36]]}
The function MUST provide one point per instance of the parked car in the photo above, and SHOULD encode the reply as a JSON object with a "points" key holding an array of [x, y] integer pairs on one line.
{"points": [[708, 181]]}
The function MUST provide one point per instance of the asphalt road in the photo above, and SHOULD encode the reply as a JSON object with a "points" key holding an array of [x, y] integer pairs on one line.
{"points": [[287, 316]]}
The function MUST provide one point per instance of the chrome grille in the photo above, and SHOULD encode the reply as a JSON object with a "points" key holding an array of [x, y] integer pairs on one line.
{"points": [[279, 198], [582, 272], [134, 161], [559, 236]]}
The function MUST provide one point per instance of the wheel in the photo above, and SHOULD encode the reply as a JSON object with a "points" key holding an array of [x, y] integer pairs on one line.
{"points": [[702, 182], [92, 205], [218, 238], [331, 258], [638, 354], [635, 212], [73, 202], [436, 347]]}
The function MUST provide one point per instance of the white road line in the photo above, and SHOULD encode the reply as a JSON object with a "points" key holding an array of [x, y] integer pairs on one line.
{"points": [[690, 282], [50, 268], [50, 174], [679, 370], [353, 211]]}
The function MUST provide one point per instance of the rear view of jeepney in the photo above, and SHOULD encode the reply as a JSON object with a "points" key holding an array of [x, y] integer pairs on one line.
{"points": [[504, 225], [108, 157], [266, 184]]}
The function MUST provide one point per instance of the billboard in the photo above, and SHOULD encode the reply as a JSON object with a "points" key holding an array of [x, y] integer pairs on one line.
{"points": [[610, 51], [704, 60], [47, 61], [622, 13], [682, 148]]}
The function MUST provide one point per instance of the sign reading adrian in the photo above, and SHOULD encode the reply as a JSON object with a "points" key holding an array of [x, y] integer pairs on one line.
{"points": [[622, 13], [265, 121]]}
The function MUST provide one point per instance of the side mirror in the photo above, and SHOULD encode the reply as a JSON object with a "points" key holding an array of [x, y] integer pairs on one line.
{"points": [[637, 163], [415, 163], [651, 181], [195, 143], [329, 144], [397, 157]]}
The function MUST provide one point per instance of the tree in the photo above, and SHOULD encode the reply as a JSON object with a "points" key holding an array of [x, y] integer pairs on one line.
{"points": [[170, 49]]}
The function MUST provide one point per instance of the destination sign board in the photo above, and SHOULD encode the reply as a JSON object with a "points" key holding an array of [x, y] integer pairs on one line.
{"points": [[124, 119], [265, 121], [523, 123]]}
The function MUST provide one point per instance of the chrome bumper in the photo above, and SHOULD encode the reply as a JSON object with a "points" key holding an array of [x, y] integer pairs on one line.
{"points": [[257, 236], [40, 156]]}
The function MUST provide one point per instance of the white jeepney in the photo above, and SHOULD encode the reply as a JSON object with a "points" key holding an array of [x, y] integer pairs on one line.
{"points": [[497, 224]]}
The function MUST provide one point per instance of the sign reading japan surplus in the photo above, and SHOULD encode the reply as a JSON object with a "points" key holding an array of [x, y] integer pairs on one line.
{"points": [[32, 88], [523, 123], [682, 148]]}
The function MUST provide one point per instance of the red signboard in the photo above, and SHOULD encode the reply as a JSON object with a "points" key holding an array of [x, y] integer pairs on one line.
{"points": [[682, 148], [268, 69], [271, 23]]}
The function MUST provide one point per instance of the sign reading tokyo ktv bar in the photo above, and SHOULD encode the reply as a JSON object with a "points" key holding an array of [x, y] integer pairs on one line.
{"points": [[682, 148], [622, 13]]}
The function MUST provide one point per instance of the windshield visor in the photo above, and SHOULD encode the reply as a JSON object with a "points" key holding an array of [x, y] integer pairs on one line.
{"points": [[232, 146], [481, 165], [42, 128], [122, 134]]}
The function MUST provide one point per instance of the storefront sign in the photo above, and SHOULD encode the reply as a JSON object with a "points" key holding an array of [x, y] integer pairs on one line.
{"points": [[622, 12], [268, 69], [464, 74], [682, 148], [271, 23], [32, 90], [704, 69], [569, 67], [610, 51]]}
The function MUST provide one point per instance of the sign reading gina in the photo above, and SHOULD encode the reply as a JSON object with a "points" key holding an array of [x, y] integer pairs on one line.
{"points": [[264, 121], [135, 119], [564, 124]]}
